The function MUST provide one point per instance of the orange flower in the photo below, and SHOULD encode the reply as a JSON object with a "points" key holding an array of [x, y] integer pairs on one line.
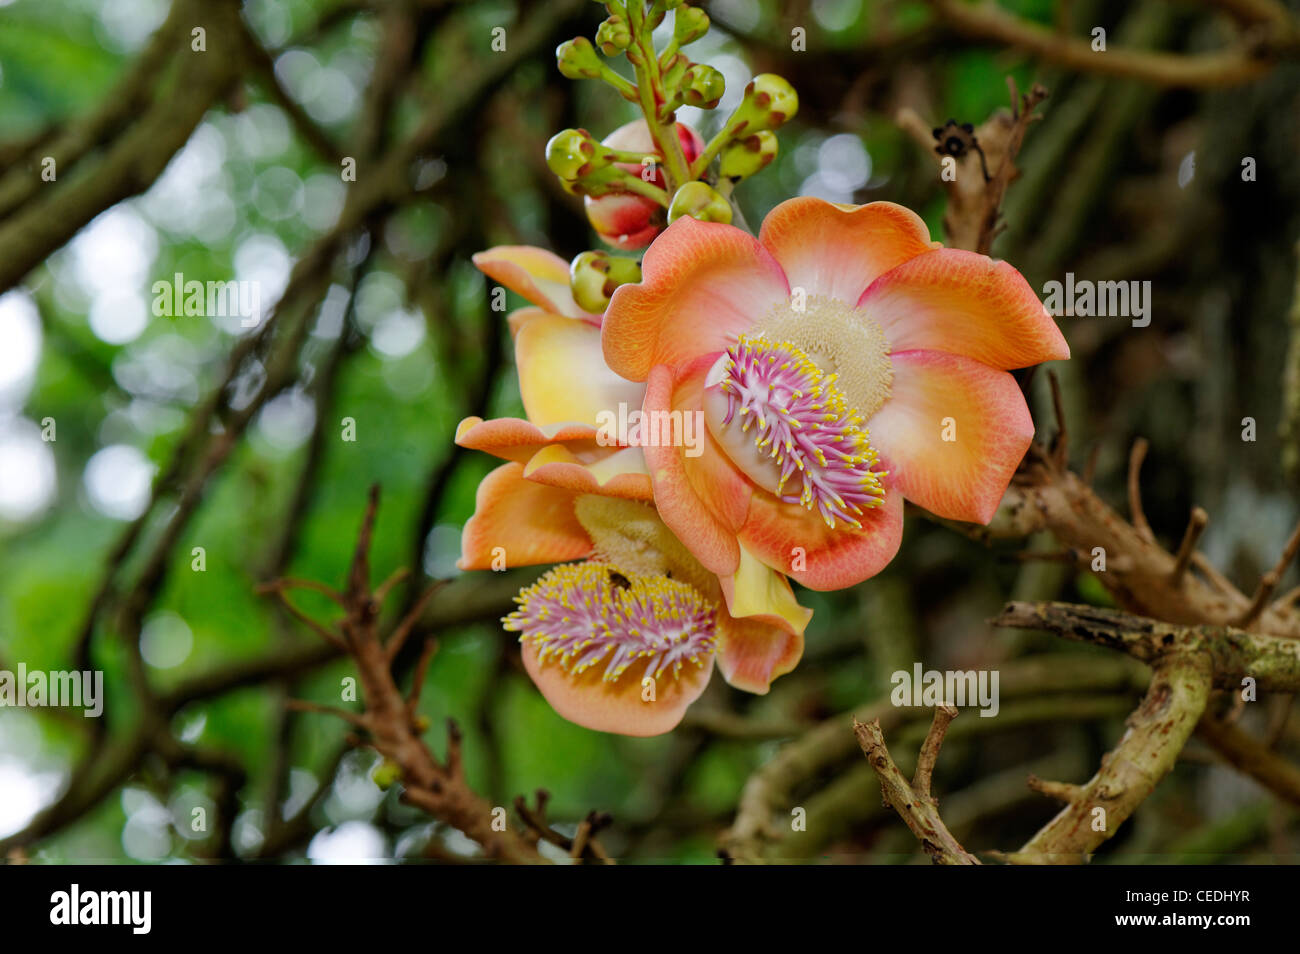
{"points": [[843, 362], [626, 641]]}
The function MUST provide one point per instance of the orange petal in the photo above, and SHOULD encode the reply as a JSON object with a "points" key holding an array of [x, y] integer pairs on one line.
{"points": [[967, 304], [752, 652], [612, 472], [531, 523], [619, 706], [563, 376], [757, 590], [797, 541], [837, 250], [703, 284], [937, 395], [703, 500], [512, 438], [540, 276]]}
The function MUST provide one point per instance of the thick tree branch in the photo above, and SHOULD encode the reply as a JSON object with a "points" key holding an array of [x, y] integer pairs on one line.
{"points": [[1180, 688], [987, 22], [1234, 653]]}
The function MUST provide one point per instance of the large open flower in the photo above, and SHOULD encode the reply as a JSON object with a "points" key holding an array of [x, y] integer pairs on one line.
{"points": [[642, 607], [843, 362]]}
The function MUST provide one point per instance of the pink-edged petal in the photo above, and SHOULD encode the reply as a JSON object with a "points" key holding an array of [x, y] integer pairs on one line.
{"points": [[521, 522], [752, 652], [512, 438], [703, 284], [757, 590], [967, 304], [611, 472], [703, 499], [540, 276], [796, 541], [839, 250], [937, 395], [563, 376], [619, 706]]}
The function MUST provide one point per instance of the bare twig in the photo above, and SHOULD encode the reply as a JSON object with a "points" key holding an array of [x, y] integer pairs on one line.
{"points": [[918, 809], [1269, 581], [1195, 527], [929, 755], [1135, 458], [971, 220], [438, 788]]}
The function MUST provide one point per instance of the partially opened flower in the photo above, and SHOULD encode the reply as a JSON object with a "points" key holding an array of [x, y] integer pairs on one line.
{"points": [[843, 362], [556, 344]]}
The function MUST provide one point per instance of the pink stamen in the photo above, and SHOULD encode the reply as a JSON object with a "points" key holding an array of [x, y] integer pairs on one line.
{"points": [[803, 423], [582, 613]]}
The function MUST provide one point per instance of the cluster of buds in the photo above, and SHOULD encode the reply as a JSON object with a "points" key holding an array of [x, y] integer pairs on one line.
{"points": [[651, 172]]}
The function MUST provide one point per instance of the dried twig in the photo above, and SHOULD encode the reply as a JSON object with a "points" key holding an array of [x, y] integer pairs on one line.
{"points": [[1195, 527], [1135, 512], [393, 727], [913, 802], [971, 220]]}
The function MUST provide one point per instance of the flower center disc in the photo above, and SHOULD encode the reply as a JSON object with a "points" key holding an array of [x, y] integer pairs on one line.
{"points": [[790, 401], [582, 614]]}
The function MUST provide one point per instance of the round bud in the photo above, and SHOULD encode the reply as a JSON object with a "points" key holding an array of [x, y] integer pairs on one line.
{"points": [[700, 201], [578, 59], [769, 102], [741, 158], [614, 35], [691, 24], [571, 154], [386, 774], [593, 276], [702, 86]]}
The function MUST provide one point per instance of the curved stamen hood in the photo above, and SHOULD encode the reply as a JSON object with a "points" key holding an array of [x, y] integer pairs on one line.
{"points": [[582, 614]]}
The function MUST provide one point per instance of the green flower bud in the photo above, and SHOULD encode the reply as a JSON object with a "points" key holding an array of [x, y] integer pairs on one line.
{"points": [[598, 180], [769, 102], [741, 158], [703, 86], [386, 774], [593, 276], [691, 24], [614, 35], [572, 154], [700, 201], [578, 59]]}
